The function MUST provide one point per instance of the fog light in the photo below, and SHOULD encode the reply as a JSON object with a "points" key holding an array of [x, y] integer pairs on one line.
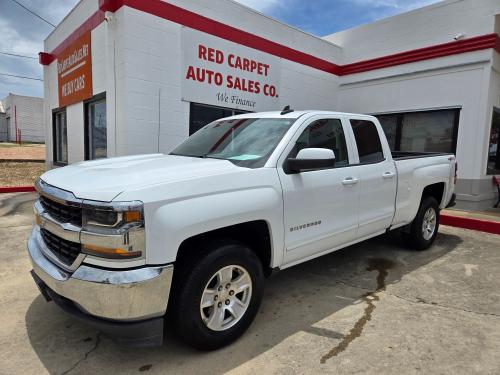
{"points": [[111, 253]]}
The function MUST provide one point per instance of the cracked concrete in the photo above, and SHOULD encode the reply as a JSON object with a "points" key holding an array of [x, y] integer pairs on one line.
{"points": [[85, 356], [436, 312]]}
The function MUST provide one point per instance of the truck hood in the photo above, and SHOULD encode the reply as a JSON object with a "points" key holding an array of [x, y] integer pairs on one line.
{"points": [[103, 180]]}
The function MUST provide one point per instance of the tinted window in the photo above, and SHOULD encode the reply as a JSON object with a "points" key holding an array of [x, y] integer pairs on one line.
{"points": [[493, 152], [390, 125], [428, 131], [368, 141], [60, 134], [201, 115], [97, 129], [326, 133]]}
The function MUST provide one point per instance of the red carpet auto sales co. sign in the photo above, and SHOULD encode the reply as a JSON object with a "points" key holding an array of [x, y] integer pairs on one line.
{"points": [[226, 74]]}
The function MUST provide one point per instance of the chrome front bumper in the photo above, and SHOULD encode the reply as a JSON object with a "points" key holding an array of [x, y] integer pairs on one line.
{"points": [[124, 295]]}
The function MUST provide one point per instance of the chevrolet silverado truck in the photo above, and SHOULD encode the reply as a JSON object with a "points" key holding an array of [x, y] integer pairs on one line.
{"points": [[138, 244]]}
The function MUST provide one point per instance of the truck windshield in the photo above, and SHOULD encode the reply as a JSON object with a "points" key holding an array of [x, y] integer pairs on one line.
{"points": [[245, 142]]}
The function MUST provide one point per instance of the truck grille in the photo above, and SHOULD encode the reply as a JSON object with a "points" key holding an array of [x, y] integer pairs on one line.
{"points": [[65, 251], [62, 212]]}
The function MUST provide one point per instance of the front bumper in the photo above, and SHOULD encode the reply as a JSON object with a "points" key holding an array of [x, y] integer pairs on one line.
{"points": [[110, 297]]}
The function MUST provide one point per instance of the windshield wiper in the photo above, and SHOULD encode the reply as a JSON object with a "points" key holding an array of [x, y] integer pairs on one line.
{"points": [[189, 156], [207, 156]]}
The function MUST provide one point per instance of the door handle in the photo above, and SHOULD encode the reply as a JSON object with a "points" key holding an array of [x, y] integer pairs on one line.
{"points": [[350, 181], [388, 175]]}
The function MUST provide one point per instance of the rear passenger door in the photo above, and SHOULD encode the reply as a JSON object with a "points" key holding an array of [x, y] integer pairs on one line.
{"points": [[378, 180]]}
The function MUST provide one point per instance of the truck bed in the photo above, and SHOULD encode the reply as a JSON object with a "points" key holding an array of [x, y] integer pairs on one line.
{"points": [[404, 155]]}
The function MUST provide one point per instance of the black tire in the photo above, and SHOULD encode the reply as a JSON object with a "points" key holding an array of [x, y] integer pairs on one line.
{"points": [[415, 239], [185, 314]]}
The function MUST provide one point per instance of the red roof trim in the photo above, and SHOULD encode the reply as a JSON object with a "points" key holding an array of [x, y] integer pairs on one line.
{"points": [[91, 23], [201, 23], [110, 5], [45, 58], [440, 50]]}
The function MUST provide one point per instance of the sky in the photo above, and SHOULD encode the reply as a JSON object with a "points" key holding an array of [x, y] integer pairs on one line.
{"points": [[22, 33]]}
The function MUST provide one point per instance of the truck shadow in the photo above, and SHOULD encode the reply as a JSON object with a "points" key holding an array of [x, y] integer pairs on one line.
{"points": [[295, 300]]}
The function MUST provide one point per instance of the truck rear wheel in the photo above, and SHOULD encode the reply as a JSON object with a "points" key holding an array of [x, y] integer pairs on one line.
{"points": [[424, 228], [218, 296]]}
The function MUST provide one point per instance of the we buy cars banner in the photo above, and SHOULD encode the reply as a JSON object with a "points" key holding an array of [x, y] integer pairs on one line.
{"points": [[226, 74], [74, 72]]}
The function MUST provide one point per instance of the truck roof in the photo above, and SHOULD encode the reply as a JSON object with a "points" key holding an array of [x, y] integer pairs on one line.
{"points": [[292, 115]]}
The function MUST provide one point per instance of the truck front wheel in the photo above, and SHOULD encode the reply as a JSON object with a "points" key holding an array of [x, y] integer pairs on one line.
{"points": [[424, 228], [218, 295]]}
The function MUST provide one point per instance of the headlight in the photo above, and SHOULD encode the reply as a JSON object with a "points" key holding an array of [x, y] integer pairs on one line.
{"points": [[119, 216], [119, 227]]}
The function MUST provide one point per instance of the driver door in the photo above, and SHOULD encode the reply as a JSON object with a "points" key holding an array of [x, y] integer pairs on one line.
{"points": [[320, 206]]}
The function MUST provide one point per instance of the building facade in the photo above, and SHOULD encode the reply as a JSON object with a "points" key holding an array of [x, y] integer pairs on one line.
{"points": [[23, 119], [3, 125], [127, 77]]}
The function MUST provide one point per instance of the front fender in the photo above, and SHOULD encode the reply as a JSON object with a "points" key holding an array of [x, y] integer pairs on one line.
{"points": [[174, 222]]}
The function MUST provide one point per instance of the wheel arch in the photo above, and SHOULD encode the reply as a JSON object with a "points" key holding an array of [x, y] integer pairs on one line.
{"points": [[436, 190], [255, 234]]}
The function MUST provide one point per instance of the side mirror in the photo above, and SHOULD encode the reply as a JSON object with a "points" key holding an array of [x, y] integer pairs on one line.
{"points": [[311, 159]]}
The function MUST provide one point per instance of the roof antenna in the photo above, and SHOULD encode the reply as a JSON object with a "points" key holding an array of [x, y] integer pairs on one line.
{"points": [[286, 110]]}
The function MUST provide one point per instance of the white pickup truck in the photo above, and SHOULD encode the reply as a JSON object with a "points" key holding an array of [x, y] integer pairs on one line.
{"points": [[130, 244]]}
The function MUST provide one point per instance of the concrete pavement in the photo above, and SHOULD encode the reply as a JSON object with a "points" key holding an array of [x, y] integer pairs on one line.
{"points": [[373, 308]]}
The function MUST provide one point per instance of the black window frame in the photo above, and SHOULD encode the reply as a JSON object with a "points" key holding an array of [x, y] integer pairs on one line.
{"points": [[494, 172], [193, 105], [87, 132], [55, 156], [400, 118]]}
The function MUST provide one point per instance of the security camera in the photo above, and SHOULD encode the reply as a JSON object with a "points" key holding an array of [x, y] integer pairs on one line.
{"points": [[108, 16], [459, 37]]}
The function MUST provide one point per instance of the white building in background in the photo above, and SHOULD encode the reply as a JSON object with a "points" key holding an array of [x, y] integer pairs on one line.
{"points": [[128, 77], [24, 119], [3, 124]]}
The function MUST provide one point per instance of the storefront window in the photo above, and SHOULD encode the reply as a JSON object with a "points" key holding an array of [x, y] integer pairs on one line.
{"points": [[426, 131], [390, 125], [60, 137], [96, 129], [201, 115], [493, 154]]}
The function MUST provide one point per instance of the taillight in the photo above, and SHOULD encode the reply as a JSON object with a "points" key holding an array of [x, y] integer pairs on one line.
{"points": [[456, 173]]}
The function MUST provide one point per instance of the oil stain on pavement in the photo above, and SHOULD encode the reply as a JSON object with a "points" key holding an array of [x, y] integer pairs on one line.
{"points": [[382, 266]]}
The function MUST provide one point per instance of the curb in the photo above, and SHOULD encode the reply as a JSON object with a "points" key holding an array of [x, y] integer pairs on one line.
{"points": [[470, 223], [17, 189]]}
